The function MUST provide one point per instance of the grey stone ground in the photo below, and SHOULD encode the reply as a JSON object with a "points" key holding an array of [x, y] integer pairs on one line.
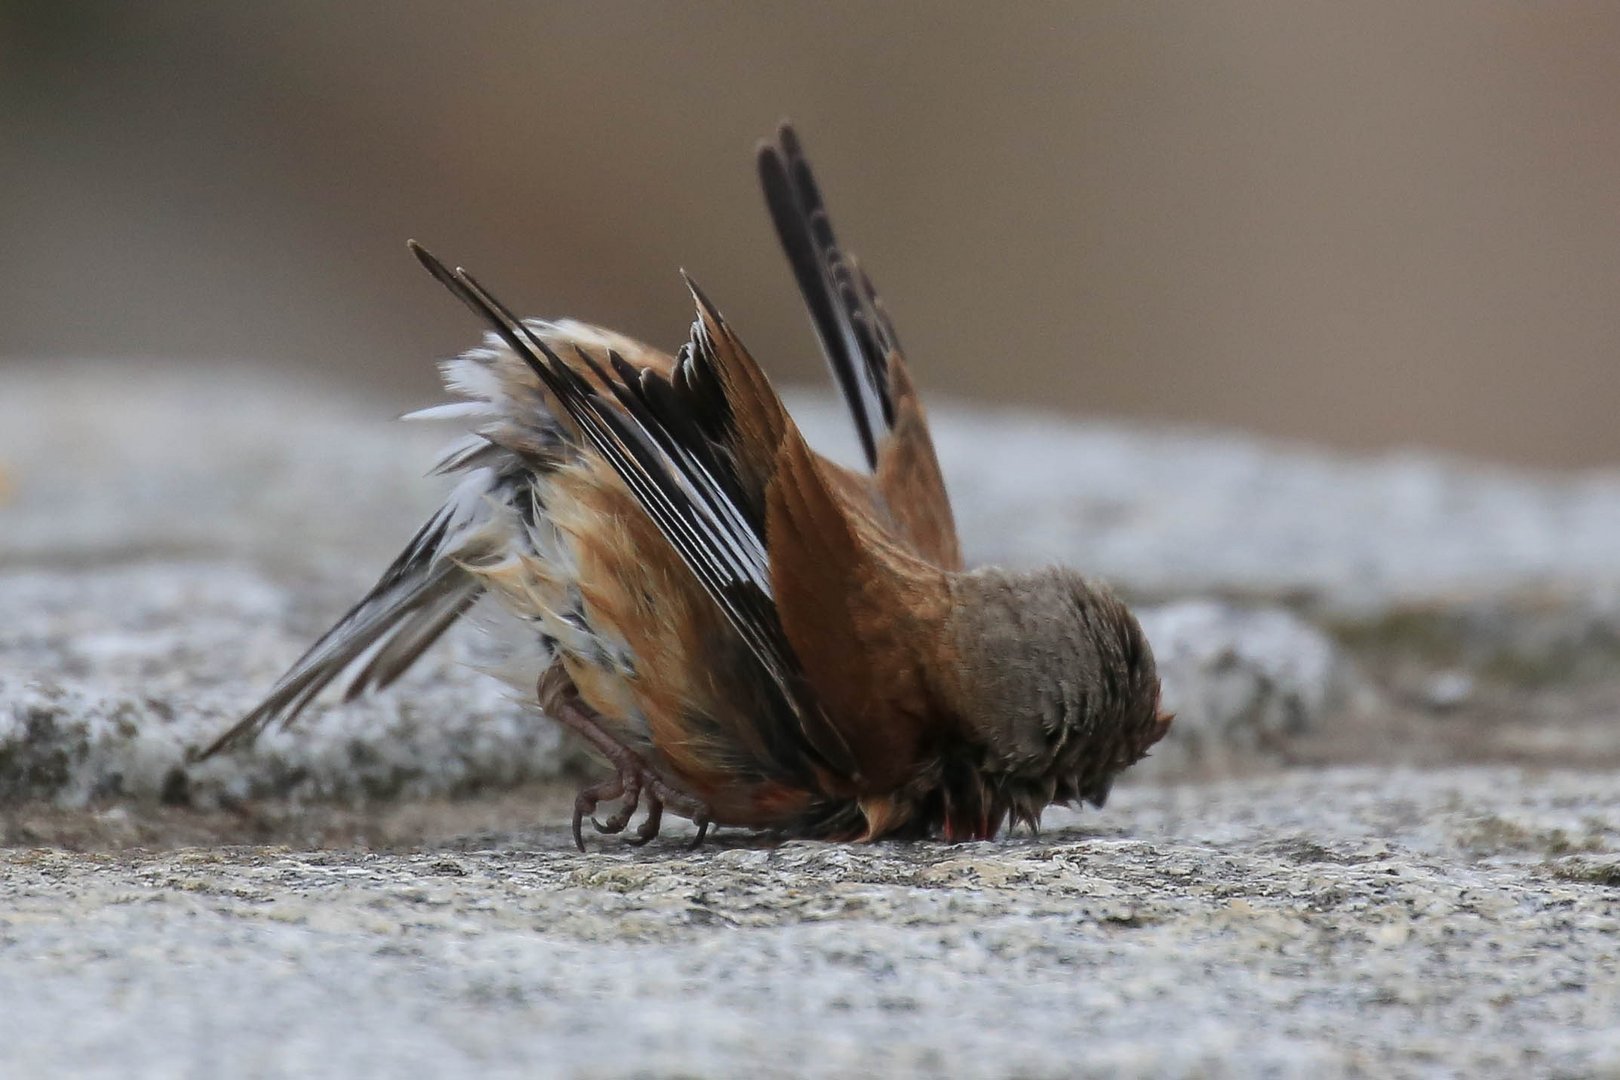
{"points": [[1363, 920], [1383, 839]]}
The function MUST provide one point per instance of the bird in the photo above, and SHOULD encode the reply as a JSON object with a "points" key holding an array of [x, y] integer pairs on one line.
{"points": [[745, 632]]}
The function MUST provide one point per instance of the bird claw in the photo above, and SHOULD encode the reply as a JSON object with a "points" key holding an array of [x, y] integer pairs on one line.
{"points": [[650, 824], [631, 795], [633, 781], [702, 823], [586, 801]]}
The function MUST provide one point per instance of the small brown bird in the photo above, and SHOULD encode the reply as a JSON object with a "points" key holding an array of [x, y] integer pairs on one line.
{"points": [[748, 633]]}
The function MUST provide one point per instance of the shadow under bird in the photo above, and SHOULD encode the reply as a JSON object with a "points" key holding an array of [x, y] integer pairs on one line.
{"points": [[748, 633]]}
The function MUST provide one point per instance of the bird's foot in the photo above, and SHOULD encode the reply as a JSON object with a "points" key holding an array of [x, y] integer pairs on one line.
{"points": [[632, 781]]}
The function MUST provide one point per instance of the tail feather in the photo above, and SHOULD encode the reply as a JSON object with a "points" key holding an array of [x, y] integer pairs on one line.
{"points": [[421, 594]]}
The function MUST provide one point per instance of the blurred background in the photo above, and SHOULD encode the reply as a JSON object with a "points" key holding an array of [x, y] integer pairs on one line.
{"points": [[1364, 225]]}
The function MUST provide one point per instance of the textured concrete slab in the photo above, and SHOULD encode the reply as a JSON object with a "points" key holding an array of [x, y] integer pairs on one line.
{"points": [[1348, 922]]}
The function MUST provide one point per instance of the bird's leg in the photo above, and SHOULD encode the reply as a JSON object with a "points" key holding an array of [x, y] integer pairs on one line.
{"points": [[632, 779]]}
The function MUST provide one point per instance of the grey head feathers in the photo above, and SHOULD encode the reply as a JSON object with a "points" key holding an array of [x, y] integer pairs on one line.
{"points": [[1061, 682]]}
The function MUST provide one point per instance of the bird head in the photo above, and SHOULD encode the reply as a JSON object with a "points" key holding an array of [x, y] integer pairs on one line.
{"points": [[1056, 684]]}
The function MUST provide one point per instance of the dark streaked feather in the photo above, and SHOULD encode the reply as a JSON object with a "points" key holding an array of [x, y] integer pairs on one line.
{"points": [[413, 603], [664, 441], [863, 351], [847, 328]]}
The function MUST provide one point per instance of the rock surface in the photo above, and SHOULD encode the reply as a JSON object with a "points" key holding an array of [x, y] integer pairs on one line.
{"points": [[110, 675], [1327, 868], [247, 457], [1243, 683], [1349, 922]]}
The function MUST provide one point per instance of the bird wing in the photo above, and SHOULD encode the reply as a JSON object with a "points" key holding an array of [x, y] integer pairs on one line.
{"points": [[427, 588], [818, 595], [418, 597], [864, 353]]}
